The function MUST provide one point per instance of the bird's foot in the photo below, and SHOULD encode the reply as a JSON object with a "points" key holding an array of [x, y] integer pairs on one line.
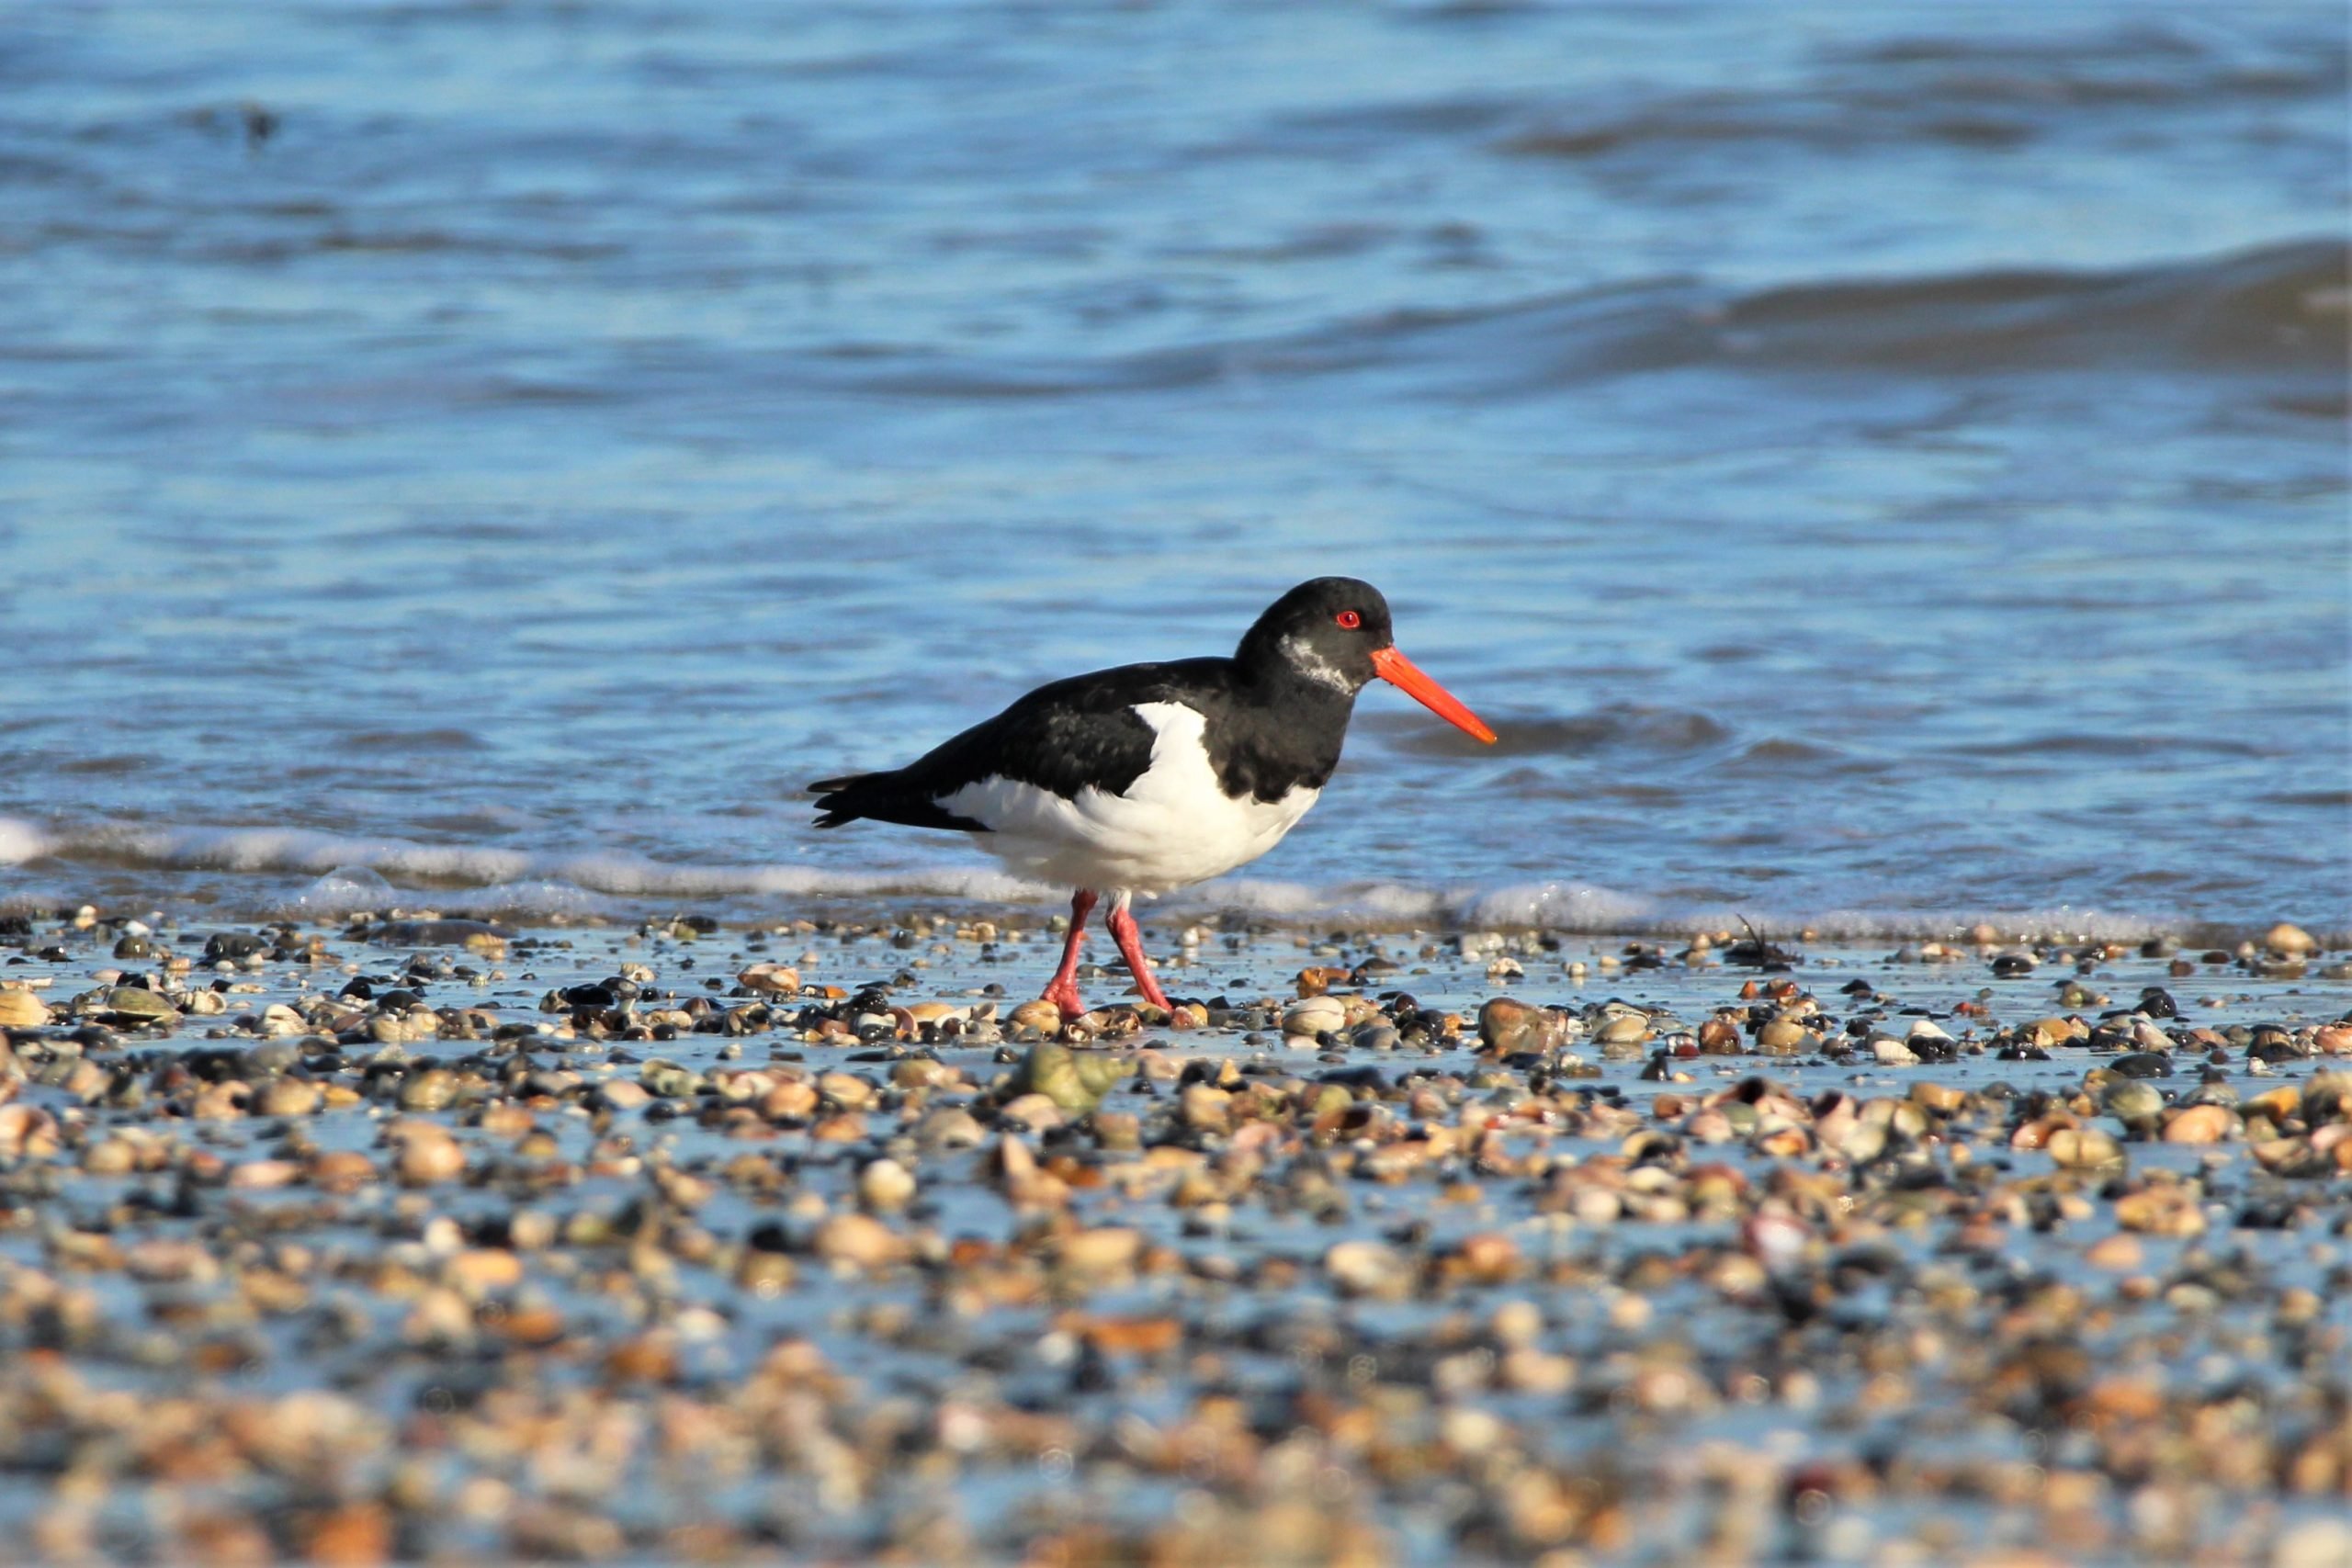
{"points": [[1063, 995]]}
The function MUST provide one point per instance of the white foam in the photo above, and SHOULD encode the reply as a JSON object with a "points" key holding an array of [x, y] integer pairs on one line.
{"points": [[369, 872], [1558, 905], [542, 898], [20, 842], [290, 849], [347, 890], [625, 876]]}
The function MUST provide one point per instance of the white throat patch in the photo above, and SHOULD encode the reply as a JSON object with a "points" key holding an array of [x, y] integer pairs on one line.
{"points": [[1314, 666]]}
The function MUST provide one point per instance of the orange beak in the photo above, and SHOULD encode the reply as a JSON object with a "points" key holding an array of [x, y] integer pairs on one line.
{"points": [[1402, 672]]}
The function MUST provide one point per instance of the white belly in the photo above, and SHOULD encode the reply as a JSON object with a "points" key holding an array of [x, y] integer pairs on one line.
{"points": [[1174, 826]]}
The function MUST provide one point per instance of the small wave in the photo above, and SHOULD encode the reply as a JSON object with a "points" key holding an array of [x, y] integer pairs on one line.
{"points": [[2280, 309], [1629, 727], [108, 766], [2070, 745], [2336, 799], [444, 739]]}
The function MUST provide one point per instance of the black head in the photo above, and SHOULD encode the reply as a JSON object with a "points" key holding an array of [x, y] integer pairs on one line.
{"points": [[1326, 630], [1332, 635]]}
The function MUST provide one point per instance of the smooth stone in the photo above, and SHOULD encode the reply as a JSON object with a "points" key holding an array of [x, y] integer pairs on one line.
{"points": [[1315, 1016], [885, 1184], [771, 979], [2142, 1065], [287, 1097], [859, 1240], [2205, 1123], [424, 1160], [2084, 1148], [476, 936], [1507, 1024], [2133, 1103], [137, 1002], [21, 1010], [1625, 1029], [1074, 1081], [2290, 941], [1367, 1268], [432, 1089]]}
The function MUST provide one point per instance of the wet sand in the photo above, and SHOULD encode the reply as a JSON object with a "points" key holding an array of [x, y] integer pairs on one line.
{"points": [[422, 1239]]}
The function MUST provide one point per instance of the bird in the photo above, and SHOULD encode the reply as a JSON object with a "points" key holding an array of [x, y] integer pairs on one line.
{"points": [[1146, 778]]}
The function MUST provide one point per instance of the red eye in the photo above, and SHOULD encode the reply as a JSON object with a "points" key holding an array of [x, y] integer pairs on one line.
{"points": [[1349, 620]]}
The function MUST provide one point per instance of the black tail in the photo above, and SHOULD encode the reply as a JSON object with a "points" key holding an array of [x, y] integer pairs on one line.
{"points": [[837, 799], [883, 798]]}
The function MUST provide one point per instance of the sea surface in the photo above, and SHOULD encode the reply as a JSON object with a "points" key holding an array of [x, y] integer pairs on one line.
{"points": [[1879, 467]]}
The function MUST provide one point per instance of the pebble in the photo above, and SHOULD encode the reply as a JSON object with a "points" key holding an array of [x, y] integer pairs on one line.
{"points": [[1508, 1026], [1315, 1016], [770, 979], [2136, 1104], [1038, 1014], [885, 1185], [2083, 1147], [2290, 941], [859, 1241], [2199, 1124], [133, 1005], [427, 1155], [1074, 1081], [434, 1090], [1367, 1268]]}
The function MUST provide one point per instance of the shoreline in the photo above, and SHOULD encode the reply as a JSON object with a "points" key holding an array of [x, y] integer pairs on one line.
{"points": [[1262, 909]]}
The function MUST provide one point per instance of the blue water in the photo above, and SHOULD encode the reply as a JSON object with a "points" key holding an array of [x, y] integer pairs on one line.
{"points": [[1877, 465]]}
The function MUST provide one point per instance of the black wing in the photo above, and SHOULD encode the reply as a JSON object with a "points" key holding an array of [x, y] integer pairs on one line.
{"points": [[1062, 737]]}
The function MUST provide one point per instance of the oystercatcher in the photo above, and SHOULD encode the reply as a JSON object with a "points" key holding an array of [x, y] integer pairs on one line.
{"points": [[1155, 776]]}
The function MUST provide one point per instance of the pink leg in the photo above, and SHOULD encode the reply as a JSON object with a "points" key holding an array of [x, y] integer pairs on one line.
{"points": [[1130, 941], [1063, 992]]}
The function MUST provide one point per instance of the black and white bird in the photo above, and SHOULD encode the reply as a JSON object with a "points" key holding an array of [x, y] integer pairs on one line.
{"points": [[1151, 777]]}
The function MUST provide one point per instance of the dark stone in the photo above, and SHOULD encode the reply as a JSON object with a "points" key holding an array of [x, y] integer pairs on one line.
{"points": [[272, 1057], [436, 934], [233, 946]]}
